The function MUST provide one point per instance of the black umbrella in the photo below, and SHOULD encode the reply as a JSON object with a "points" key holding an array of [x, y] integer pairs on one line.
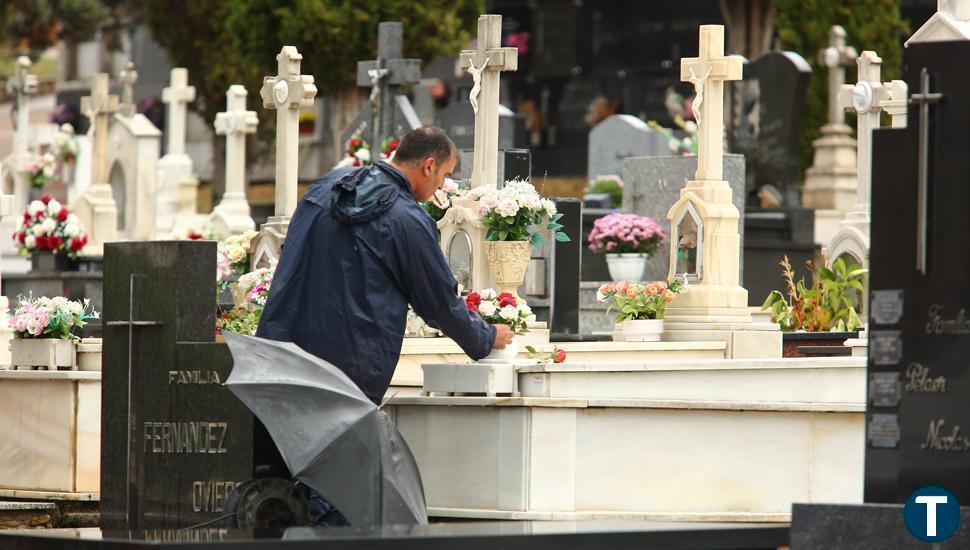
{"points": [[332, 437]]}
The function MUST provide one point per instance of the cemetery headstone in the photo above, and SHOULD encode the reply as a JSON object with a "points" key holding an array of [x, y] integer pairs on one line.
{"points": [[176, 175], [21, 85], [174, 441], [917, 417], [619, 137], [232, 214], [767, 118], [458, 121]]}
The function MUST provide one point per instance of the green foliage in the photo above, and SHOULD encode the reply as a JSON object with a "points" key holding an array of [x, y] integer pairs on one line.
{"points": [[829, 305], [803, 27], [239, 320], [611, 185], [31, 25]]}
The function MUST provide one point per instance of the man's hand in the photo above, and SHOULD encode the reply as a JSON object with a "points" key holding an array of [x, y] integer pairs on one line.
{"points": [[503, 336]]}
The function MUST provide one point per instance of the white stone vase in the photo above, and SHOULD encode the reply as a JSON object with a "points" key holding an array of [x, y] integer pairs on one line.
{"points": [[642, 330], [51, 353], [508, 261], [627, 267], [506, 355], [89, 354]]}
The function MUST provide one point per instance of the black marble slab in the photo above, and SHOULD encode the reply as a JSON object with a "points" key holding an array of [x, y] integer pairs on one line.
{"points": [[863, 527]]}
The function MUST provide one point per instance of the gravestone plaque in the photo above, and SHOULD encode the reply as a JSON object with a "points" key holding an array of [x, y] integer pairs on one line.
{"points": [[174, 441], [458, 121], [653, 184], [919, 274], [619, 137], [766, 122]]}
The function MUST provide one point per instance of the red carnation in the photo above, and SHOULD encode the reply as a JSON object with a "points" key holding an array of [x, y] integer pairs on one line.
{"points": [[506, 299], [42, 242], [559, 356], [77, 243], [62, 215], [45, 199], [357, 163], [473, 300], [196, 236], [353, 143], [39, 215], [26, 217], [392, 145], [21, 236], [54, 242]]}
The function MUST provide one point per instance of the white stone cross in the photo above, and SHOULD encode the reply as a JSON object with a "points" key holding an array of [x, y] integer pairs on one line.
{"points": [[128, 77], [235, 123], [22, 85], [836, 58], [287, 92], [868, 98], [485, 168], [98, 107], [708, 72], [177, 95]]}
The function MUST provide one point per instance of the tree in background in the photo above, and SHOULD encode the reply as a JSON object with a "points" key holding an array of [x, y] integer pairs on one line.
{"points": [[803, 26], [32, 26]]}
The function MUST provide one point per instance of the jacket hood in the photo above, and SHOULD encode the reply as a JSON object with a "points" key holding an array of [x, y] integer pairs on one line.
{"points": [[366, 194]]}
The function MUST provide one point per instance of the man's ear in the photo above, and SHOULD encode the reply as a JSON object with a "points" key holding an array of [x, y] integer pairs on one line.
{"points": [[428, 166]]}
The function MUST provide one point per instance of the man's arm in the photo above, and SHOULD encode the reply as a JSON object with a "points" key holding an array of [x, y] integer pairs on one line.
{"points": [[432, 290]]}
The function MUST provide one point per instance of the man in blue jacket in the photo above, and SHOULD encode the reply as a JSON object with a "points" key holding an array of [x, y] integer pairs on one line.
{"points": [[359, 249]]}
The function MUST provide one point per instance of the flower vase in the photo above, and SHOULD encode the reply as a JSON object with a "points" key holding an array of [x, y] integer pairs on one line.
{"points": [[50, 353], [506, 355], [642, 330], [48, 262], [508, 261], [627, 266]]}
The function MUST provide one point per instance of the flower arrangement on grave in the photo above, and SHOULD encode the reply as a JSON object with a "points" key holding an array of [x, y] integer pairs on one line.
{"points": [[627, 240], [609, 184], [639, 301], [237, 249], [358, 151], [252, 289], [388, 147], [500, 308], [64, 144], [204, 233], [510, 216], [686, 145], [441, 200], [828, 305], [47, 226], [41, 169], [45, 317]]}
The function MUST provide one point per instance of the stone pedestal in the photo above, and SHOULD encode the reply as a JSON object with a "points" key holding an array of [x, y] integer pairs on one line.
{"points": [[99, 215], [831, 181]]}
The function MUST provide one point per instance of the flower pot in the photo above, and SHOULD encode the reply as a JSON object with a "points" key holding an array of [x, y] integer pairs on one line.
{"points": [[506, 355], [508, 261], [627, 267], [46, 261], [642, 330], [89, 354], [29, 353]]}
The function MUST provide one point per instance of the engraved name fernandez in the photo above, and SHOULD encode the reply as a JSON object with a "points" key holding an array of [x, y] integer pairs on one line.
{"points": [[185, 437], [919, 381], [936, 324]]}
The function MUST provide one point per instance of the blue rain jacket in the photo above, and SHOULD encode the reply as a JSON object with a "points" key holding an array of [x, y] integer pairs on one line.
{"points": [[359, 249]]}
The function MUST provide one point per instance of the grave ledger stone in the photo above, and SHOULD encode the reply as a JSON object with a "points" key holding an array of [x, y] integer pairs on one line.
{"points": [[918, 418], [175, 442]]}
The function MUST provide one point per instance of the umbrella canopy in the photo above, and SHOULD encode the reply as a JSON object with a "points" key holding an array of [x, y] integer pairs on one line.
{"points": [[331, 436]]}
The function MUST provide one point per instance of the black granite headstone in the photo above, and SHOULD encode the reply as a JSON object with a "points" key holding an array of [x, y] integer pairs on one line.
{"points": [[770, 235], [566, 270], [766, 122], [458, 121], [174, 441], [918, 415], [512, 164]]}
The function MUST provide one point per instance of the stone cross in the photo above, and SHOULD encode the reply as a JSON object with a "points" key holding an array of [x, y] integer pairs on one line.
{"points": [[959, 9], [235, 123], [177, 96], [128, 77], [868, 98], [707, 73], [385, 76], [836, 58], [923, 98], [490, 59], [98, 107], [287, 92], [22, 85]]}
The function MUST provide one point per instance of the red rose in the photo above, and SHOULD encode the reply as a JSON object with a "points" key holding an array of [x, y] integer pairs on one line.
{"points": [[392, 145], [76, 244], [62, 215], [473, 300], [353, 143], [357, 163], [42, 242], [21, 236], [39, 215], [26, 217], [559, 356], [54, 242], [193, 236], [45, 199], [506, 299]]}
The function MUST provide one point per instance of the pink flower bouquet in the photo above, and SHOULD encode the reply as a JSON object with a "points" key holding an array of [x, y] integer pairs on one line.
{"points": [[49, 317], [626, 233], [636, 301]]}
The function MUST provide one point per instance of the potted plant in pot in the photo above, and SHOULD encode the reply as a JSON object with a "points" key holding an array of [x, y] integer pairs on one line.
{"points": [[510, 216], [641, 306], [823, 314], [610, 185], [501, 308], [44, 331], [51, 235], [628, 240]]}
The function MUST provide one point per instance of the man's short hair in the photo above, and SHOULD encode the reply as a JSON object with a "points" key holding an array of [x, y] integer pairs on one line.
{"points": [[422, 143]]}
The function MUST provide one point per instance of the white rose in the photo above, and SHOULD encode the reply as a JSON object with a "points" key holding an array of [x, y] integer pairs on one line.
{"points": [[525, 310], [53, 207], [450, 186], [487, 308], [507, 208], [488, 294], [236, 254], [50, 224], [30, 241], [509, 313], [363, 155], [72, 218], [549, 207], [35, 207], [39, 229], [71, 230]]}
